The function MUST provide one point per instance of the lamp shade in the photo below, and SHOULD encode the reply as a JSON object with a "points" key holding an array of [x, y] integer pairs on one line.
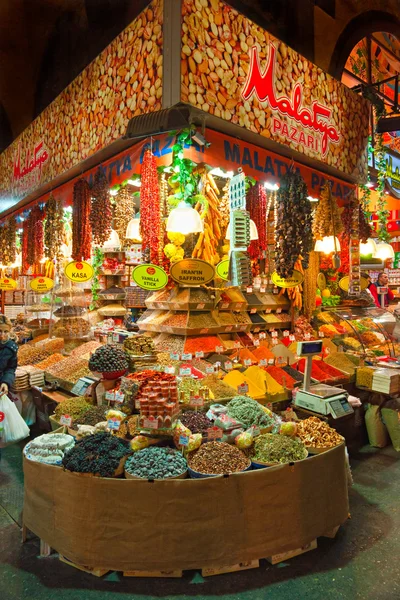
{"points": [[327, 245], [133, 230], [384, 251], [113, 240], [369, 248], [184, 219], [253, 231]]}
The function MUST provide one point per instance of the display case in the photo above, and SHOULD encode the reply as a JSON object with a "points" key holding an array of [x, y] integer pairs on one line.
{"points": [[362, 331], [69, 317], [37, 310]]}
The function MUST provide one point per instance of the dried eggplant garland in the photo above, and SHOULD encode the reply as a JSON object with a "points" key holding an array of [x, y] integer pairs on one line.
{"points": [[53, 228], [327, 219], [123, 212], [35, 237], [101, 212], [8, 242], [294, 224], [81, 228]]}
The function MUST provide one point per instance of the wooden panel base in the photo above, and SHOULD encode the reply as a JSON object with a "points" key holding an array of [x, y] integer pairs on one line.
{"points": [[277, 558], [176, 573], [97, 572], [251, 564]]}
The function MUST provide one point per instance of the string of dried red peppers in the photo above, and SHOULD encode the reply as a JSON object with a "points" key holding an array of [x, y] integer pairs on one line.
{"points": [[81, 227], [152, 235], [101, 213], [35, 237], [256, 204]]}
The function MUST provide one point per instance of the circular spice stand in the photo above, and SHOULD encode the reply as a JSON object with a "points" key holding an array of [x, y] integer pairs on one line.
{"points": [[321, 449], [181, 476], [256, 464], [197, 475]]}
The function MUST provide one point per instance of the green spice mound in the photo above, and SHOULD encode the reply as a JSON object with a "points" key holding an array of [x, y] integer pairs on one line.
{"points": [[99, 453], [156, 463], [218, 458], [74, 407], [275, 448], [94, 415], [249, 412]]}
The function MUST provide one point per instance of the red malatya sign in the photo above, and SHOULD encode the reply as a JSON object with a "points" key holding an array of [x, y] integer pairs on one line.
{"points": [[315, 119], [31, 171]]}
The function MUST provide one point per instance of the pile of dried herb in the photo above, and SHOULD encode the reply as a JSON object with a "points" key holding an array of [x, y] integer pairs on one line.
{"points": [[249, 412], [275, 448], [100, 454]]}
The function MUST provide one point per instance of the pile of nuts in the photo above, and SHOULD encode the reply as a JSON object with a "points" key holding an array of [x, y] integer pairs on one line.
{"points": [[218, 458], [139, 345]]}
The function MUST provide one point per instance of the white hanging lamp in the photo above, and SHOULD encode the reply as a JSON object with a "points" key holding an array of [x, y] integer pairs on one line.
{"points": [[184, 219], [113, 240], [368, 248], [384, 251], [327, 245], [133, 229]]}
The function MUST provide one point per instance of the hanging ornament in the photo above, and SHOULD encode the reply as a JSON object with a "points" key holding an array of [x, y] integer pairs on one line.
{"points": [[123, 212], [53, 228], [150, 218], [101, 212], [256, 204], [81, 228]]}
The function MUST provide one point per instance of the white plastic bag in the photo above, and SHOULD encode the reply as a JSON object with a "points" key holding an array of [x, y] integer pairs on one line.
{"points": [[12, 426]]}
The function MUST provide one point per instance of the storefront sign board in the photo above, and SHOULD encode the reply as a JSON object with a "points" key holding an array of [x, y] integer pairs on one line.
{"points": [[79, 271], [192, 271], [296, 279], [6, 283], [150, 277], [41, 284]]}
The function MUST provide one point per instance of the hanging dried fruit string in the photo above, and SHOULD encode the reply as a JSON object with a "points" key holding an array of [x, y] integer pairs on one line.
{"points": [[24, 247], [101, 213], [35, 237], [9, 241], [224, 210], [150, 222], [53, 228], [256, 204], [124, 209], [327, 215], [81, 227], [293, 231]]}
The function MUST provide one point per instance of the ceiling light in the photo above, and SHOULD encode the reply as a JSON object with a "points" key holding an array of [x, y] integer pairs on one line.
{"points": [[271, 186], [184, 219]]}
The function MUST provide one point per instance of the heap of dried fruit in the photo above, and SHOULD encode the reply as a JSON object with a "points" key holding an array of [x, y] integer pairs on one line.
{"points": [[101, 213]]}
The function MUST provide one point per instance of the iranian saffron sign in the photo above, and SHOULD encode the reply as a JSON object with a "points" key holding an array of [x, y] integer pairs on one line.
{"points": [[237, 71]]}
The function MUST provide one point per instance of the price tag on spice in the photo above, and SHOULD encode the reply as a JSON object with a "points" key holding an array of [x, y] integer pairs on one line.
{"points": [[214, 433], [199, 354], [307, 336], [253, 311], [243, 328], [271, 361], [204, 330], [217, 365], [113, 424], [110, 396], [237, 306], [263, 290], [274, 334], [292, 337], [236, 345], [224, 305], [229, 328], [286, 333], [170, 370], [174, 356], [210, 370], [278, 311], [184, 440], [137, 404], [321, 334], [150, 423], [185, 371], [263, 335], [219, 349], [257, 329], [200, 306], [268, 311], [281, 360], [247, 362], [119, 397], [197, 401], [228, 366], [187, 356], [275, 341], [66, 420], [256, 342], [243, 388], [263, 362]]}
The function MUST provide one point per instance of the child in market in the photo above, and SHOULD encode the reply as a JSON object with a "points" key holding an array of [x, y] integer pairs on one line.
{"points": [[8, 357]]}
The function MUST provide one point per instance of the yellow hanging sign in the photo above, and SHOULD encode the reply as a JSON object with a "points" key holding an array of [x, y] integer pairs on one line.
{"points": [[41, 284], [78, 271], [150, 277], [222, 269], [287, 282], [192, 271], [345, 282], [6, 283]]}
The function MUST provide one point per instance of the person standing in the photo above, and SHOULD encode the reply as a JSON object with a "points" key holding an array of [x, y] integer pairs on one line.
{"points": [[8, 357], [382, 281]]}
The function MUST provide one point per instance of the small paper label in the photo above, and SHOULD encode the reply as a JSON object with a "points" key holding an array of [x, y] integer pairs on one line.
{"points": [[187, 356], [200, 306], [110, 396], [229, 328], [271, 361], [286, 333], [257, 329], [263, 362], [307, 336], [184, 440], [274, 334], [197, 401], [256, 342], [247, 362], [170, 370], [243, 388], [321, 334], [249, 290], [150, 423], [268, 311], [113, 424], [262, 290], [236, 345], [204, 330], [278, 311], [214, 433], [65, 420], [228, 366], [224, 305], [243, 327], [115, 337], [253, 311], [275, 341], [199, 354], [174, 356], [263, 335], [185, 371], [119, 397], [210, 370], [217, 365], [219, 349], [137, 404], [238, 306], [292, 338]]}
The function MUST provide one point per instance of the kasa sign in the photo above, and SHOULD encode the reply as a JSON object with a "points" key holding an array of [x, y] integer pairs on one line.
{"points": [[311, 127]]}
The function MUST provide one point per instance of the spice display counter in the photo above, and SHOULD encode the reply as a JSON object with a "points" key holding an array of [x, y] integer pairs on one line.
{"points": [[185, 524]]}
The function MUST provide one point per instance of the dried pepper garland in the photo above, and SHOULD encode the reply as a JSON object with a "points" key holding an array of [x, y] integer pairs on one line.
{"points": [[8, 241], [24, 247], [293, 225], [53, 228], [35, 236], [81, 228], [256, 204], [123, 212], [152, 234], [327, 219], [101, 213]]}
